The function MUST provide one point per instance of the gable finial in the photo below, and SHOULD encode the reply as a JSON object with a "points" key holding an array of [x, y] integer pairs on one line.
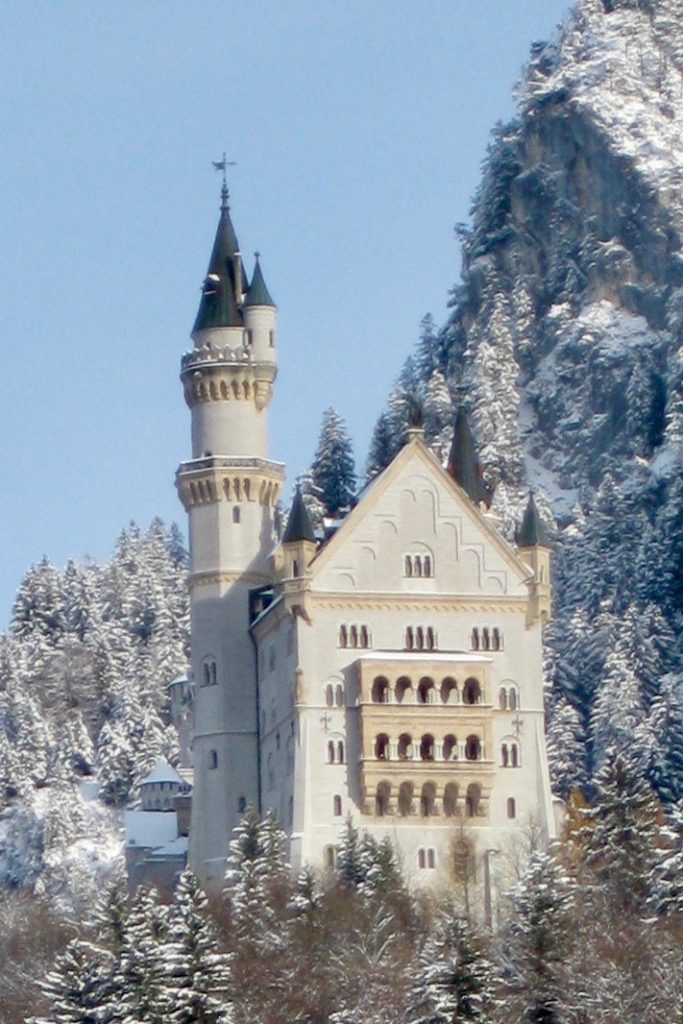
{"points": [[222, 165]]}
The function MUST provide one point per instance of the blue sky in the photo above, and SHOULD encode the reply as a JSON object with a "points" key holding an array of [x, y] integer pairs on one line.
{"points": [[358, 129]]}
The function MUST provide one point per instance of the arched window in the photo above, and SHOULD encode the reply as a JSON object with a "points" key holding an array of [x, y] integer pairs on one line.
{"points": [[427, 748], [512, 808], [485, 639], [427, 566], [475, 640], [380, 690], [271, 339], [513, 699], [497, 639], [213, 759], [408, 565], [471, 693], [295, 569], [329, 695], [241, 805], [473, 748], [330, 752], [431, 639], [503, 698], [382, 799], [449, 691], [419, 638], [450, 800], [337, 806], [405, 799], [514, 755], [382, 747], [427, 799], [421, 860], [340, 751], [473, 800], [404, 690], [209, 672], [339, 695], [450, 748], [236, 514], [410, 641], [343, 637], [504, 755], [364, 636], [330, 856], [426, 691], [405, 747], [417, 566], [431, 858], [354, 636]]}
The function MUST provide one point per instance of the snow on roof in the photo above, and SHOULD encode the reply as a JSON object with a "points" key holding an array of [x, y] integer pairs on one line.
{"points": [[150, 829], [176, 848], [162, 772], [459, 657]]}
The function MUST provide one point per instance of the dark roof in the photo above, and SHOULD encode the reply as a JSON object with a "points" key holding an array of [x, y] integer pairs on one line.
{"points": [[258, 294], [463, 462], [532, 533], [298, 524], [219, 306]]}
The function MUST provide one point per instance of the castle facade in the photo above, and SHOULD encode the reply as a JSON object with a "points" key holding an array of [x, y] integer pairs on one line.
{"points": [[392, 670]]}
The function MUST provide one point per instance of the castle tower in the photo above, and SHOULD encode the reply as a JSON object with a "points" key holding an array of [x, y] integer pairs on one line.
{"points": [[534, 547], [229, 489]]}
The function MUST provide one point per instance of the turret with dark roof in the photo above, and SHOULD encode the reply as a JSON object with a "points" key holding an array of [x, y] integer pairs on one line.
{"points": [[225, 282], [463, 462], [532, 533], [258, 294], [299, 526]]}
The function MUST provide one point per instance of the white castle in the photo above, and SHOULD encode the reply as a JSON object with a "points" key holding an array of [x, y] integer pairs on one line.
{"points": [[391, 672]]}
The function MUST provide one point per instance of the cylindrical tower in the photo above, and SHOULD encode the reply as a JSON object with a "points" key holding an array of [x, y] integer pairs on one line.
{"points": [[229, 490]]}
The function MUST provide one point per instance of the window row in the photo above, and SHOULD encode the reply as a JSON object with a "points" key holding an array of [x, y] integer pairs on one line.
{"points": [[426, 858], [486, 639], [426, 804], [426, 748], [334, 695], [354, 636], [335, 752], [249, 338], [421, 638], [418, 565], [426, 692]]}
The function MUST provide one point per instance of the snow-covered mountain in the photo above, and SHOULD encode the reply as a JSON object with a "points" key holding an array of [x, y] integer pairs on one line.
{"points": [[565, 342]]}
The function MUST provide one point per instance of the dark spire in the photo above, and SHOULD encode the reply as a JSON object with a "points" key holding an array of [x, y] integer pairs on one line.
{"points": [[220, 304], [298, 524], [463, 462], [532, 533], [258, 294]]}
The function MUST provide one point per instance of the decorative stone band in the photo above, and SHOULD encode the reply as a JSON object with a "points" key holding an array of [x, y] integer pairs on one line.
{"points": [[352, 600], [239, 381], [214, 579], [208, 480]]}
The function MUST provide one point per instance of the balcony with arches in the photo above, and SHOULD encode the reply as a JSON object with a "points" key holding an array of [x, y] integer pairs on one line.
{"points": [[429, 801]]}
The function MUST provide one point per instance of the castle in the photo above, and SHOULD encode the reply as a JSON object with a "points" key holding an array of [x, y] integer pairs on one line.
{"points": [[390, 670]]}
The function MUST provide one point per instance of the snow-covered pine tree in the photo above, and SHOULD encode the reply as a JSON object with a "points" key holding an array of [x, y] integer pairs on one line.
{"points": [[350, 866], [537, 941], [196, 979], [81, 987], [333, 470], [455, 979], [140, 975], [382, 447]]}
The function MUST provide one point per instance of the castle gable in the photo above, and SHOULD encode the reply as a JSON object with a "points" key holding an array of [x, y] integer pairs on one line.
{"points": [[416, 530]]}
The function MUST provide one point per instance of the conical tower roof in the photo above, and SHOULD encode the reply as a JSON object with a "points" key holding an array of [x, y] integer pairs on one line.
{"points": [[463, 462], [532, 533], [219, 306], [299, 523], [258, 294]]}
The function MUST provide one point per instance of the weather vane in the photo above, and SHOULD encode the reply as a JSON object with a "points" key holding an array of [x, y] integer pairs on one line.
{"points": [[222, 165]]}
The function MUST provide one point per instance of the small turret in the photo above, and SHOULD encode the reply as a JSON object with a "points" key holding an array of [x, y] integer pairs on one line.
{"points": [[298, 541], [533, 542], [464, 465], [260, 320]]}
